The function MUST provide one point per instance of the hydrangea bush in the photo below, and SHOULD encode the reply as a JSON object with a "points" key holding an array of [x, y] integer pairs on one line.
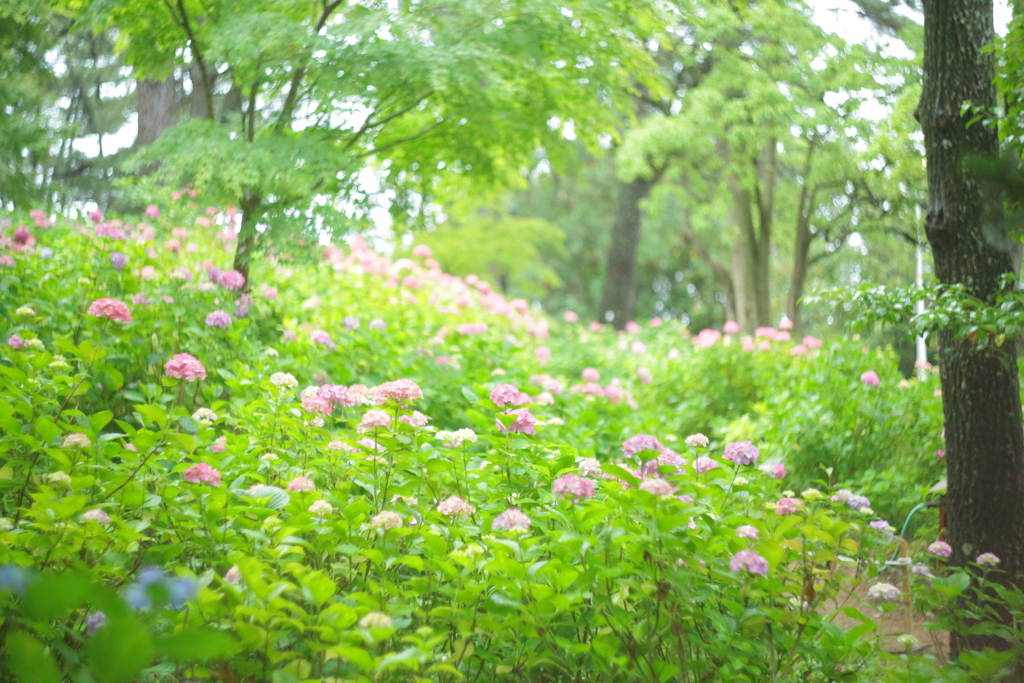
{"points": [[231, 482]]}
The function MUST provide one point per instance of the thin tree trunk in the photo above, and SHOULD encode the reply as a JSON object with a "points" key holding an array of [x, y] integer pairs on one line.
{"points": [[744, 255], [620, 278], [157, 107], [250, 206], [767, 175], [200, 106], [721, 273], [981, 399]]}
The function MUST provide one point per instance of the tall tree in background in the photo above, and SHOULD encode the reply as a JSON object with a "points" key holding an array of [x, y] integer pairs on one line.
{"points": [[980, 386]]}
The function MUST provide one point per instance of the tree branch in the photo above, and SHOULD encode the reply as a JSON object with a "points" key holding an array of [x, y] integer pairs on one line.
{"points": [[288, 109]]}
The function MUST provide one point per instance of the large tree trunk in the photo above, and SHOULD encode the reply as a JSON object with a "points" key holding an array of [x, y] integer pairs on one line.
{"points": [[620, 278], [751, 260], [981, 399], [157, 107]]}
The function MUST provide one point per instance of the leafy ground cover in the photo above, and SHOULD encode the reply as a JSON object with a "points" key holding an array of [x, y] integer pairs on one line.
{"points": [[357, 467]]}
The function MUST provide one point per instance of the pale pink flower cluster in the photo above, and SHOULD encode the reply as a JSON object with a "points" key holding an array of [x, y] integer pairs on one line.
{"points": [[16, 342], [788, 506], [112, 309], [512, 519], [885, 592], [731, 327], [704, 464], [525, 422], [644, 375], [284, 380], [471, 328], [300, 484], [77, 441], [573, 486], [99, 516], [987, 559], [940, 549], [323, 338], [775, 471], [374, 419], [387, 520], [870, 378], [202, 473], [742, 453], [185, 366], [454, 507], [570, 316], [748, 560], [505, 394], [590, 375], [697, 440], [218, 318], [657, 487], [231, 279], [317, 405], [417, 419], [707, 338], [641, 442], [400, 390], [748, 532]]}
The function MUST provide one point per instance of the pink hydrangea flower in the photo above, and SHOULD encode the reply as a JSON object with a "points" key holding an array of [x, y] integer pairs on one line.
{"points": [[590, 375], [644, 375], [657, 487], [525, 422], [186, 367], [300, 484], [152, 211], [231, 279], [317, 404], [417, 419], [570, 316], [870, 378], [748, 532], [750, 561], [940, 549], [742, 453], [112, 309], [632, 327], [573, 486], [321, 337], [454, 507], [641, 442], [400, 390], [504, 394], [987, 559], [220, 445], [798, 350], [697, 440], [375, 419], [811, 342], [219, 319], [731, 327], [421, 251], [788, 506], [704, 464], [16, 342], [776, 471], [202, 473], [512, 519]]}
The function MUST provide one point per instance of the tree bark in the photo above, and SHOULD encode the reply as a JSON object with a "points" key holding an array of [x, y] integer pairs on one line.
{"points": [[157, 108], [721, 273], [200, 106], [620, 277], [981, 399], [250, 206]]}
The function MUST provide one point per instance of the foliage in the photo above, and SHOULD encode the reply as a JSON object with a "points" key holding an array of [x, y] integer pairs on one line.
{"points": [[273, 505]]}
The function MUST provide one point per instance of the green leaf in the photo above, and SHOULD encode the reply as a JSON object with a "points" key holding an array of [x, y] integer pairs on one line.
{"points": [[54, 595], [272, 496], [29, 661], [196, 645], [119, 650], [46, 429], [100, 420], [151, 413]]}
